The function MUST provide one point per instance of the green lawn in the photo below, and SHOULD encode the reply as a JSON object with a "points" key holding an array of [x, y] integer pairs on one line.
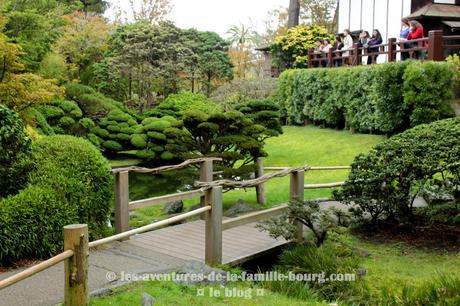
{"points": [[298, 146], [168, 293], [311, 146], [389, 267]]}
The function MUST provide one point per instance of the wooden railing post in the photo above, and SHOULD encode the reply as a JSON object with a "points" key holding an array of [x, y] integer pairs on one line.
{"points": [[76, 267], [330, 60], [260, 189], [356, 55], [391, 49], [435, 46], [310, 58], [297, 194], [122, 202], [206, 175], [213, 235]]}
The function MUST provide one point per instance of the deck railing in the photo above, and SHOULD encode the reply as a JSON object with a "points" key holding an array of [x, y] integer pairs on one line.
{"points": [[76, 239], [436, 47]]}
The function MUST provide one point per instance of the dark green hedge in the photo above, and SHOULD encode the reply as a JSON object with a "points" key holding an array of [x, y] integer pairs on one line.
{"points": [[386, 98], [384, 182], [69, 181]]}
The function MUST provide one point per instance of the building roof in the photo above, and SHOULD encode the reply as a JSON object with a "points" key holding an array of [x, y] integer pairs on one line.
{"points": [[452, 24], [436, 10]]}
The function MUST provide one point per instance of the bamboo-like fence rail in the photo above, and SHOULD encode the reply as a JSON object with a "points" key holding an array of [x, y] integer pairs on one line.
{"points": [[77, 246]]}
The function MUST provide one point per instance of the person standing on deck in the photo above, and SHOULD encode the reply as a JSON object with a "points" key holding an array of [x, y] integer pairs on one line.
{"points": [[347, 45]]}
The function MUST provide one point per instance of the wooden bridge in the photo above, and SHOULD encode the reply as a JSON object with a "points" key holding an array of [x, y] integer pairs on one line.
{"points": [[211, 239]]}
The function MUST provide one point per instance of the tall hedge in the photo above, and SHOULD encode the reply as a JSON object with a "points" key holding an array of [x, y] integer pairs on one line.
{"points": [[69, 181], [386, 98]]}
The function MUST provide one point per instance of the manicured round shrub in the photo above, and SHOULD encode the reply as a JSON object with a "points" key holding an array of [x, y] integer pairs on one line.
{"points": [[156, 135], [100, 132], [139, 141], [119, 116], [158, 125], [94, 139], [112, 146], [167, 155], [32, 223], [114, 128], [69, 181], [385, 182], [66, 121], [87, 123], [50, 111], [70, 107], [146, 154], [188, 100], [123, 137]]}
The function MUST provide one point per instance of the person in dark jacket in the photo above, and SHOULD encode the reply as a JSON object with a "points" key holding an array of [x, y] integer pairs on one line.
{"points": [[338, 45], [375, 40]]}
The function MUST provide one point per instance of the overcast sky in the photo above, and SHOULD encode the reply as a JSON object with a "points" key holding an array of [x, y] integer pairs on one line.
{"points": [[218, 15]]}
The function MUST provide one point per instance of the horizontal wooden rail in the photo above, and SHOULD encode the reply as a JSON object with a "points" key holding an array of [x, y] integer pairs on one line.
{"points": [[251, 183], [253, 217], [166, 168], [149, 227], [166, 199], [35, 269], [321, 186]]}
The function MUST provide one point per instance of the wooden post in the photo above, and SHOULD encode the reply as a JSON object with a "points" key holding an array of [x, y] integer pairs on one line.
{"points": [[122, 202], [391, 49], [297, 194], [356, 57], [213, 235], [206, 175], [310, 58], [76, 267], [260, 189], [330, 61], [435, 46]]}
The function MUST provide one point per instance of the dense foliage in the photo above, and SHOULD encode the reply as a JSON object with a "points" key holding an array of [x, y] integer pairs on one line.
{"points": [[68, 182], [13, 142], [146, 63], [385, 182], [291, 50], [385, 98], [239, 91]]}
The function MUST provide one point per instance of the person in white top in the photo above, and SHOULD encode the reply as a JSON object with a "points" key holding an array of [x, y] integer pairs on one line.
{"points": [[347, 45]]}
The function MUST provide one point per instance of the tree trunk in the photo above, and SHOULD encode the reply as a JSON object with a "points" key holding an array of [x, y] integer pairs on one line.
{"points": [[294, 13]]}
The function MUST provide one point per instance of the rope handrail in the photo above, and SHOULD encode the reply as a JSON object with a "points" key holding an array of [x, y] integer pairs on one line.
{"points": [[166, 168], [253, 182]]}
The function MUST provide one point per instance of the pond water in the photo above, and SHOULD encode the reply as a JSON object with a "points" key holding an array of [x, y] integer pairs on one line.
{"points": [[144, 185]]}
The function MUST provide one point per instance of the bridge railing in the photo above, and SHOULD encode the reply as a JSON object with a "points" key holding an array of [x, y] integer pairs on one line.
{"points": [[436, 47], [123, 205], [76, 238]]}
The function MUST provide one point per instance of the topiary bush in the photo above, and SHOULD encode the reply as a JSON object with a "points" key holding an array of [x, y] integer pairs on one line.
{"points": [[183, 102], [387, 98], [13, 143], [231, 136], [385, 182], [69, 181], [263, 112], [64, 117]]}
